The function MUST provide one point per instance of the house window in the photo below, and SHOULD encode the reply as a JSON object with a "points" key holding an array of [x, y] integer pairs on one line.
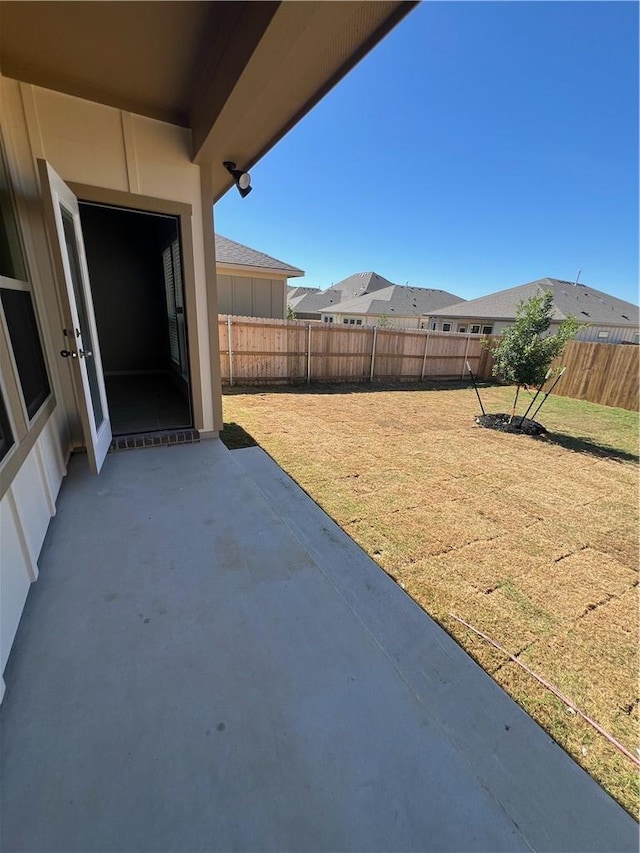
{"points": [[475, 329], [27, 350], [345, 321], [446, 327], [434, 326], [358, 322], [603, 333], [462, 328], [11, 258], [487, 330], [26, 384], [6, 433]]}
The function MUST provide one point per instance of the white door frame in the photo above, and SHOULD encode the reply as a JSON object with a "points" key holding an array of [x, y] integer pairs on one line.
{"points": [[79, 332]]}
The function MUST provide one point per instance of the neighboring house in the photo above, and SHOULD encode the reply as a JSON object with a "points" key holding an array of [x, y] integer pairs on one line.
{"points": [[302, 301], [398, 305], [250, 283], [366, 297], [607, 319], [308, 306], [116, 121]]}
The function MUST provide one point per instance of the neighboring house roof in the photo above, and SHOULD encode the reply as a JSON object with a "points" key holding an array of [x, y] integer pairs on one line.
{"points": [[230, 253], [315, 300], [400, 300], [295, 291], [355, 285], [298, 297], [585, 303]]}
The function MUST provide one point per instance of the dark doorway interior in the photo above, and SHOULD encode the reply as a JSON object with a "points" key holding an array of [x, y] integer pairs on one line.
{"points": [[135, 271]]}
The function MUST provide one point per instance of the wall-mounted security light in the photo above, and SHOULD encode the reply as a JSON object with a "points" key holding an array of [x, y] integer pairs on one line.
{"points": [[241, 179]]}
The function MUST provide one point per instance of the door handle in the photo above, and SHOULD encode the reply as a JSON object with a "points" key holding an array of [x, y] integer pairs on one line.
{"points": [[65, 353]]}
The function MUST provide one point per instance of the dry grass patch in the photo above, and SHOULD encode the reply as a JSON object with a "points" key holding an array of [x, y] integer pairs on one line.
{"points": [[533, 541]]}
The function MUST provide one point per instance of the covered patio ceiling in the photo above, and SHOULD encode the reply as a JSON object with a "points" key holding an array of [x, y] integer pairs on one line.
{"points": [[239, 74]]}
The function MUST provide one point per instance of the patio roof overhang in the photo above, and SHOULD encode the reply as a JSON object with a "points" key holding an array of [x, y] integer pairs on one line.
{"points": [[238, 74]]}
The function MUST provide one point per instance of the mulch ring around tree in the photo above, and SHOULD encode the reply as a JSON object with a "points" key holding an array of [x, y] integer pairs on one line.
{"points": [[505, 423]]}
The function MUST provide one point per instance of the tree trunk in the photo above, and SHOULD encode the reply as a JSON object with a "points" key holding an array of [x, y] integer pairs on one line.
{"points": [[515, 403]]}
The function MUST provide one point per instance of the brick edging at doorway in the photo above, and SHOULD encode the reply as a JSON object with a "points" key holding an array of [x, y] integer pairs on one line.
{"points": [[153, 439]]}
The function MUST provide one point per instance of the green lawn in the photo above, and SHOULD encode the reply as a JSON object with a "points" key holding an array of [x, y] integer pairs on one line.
{"points": [[532, 540]]}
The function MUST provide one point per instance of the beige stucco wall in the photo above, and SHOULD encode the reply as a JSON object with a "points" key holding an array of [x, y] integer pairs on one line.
{"points": [[93, 144], [247, 295]]}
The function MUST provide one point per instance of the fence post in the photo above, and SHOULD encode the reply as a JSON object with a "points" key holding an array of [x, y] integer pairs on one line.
{"points": [[373, 352], [424, 357], [309, 355], [230, 351], [466, 353]]}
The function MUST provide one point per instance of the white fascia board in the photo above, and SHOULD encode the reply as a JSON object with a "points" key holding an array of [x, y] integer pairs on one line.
{"points": [[256, 272]]}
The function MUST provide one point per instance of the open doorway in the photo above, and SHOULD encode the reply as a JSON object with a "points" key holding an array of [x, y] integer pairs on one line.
{"points": [[135, 268]]}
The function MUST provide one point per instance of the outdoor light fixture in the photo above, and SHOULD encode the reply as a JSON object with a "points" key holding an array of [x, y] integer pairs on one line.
{"points": [[241, 179]]}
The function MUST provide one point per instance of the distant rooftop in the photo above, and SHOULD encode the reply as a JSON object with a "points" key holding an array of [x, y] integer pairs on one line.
{"points": [[230, 252], [400, 300], [586, 303]]}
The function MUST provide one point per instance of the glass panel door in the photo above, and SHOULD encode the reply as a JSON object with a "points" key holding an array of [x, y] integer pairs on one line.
{"points": [[81, 345]]}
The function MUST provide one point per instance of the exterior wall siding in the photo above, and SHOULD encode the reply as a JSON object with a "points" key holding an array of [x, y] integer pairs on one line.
{"points": [[25, 512], [615, 334], [251, 296], [100, 146], [392, 321]]}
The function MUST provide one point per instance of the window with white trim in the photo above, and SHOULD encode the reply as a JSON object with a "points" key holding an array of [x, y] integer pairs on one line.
{"points": [[475, 329], [26, 384], [27, 349], [603, 333], [446, 327], [6, 432], [487, 330], [462, 327]]}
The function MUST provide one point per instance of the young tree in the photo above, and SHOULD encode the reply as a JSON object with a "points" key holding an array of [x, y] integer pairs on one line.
{"points": [[523, 354], [291, 314]]}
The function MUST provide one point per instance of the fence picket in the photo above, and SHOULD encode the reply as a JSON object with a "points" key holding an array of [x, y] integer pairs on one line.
{"points": [[264, 351]]}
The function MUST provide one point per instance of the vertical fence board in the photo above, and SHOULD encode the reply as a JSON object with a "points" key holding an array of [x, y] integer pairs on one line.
{"points": [[599, 373], [276, 351]]}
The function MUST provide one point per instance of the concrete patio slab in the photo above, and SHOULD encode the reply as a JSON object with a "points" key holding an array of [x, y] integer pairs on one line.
{"points": [[208, 664]]}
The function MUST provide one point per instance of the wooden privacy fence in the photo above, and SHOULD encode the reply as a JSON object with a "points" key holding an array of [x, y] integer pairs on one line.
{"points": [[255, 350], [600, 373]]}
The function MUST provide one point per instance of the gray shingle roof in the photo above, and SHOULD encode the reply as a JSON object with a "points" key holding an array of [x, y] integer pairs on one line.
{"points": [[584, 302], [355, 285], [397, 299], [361, 285], [230, 252]]}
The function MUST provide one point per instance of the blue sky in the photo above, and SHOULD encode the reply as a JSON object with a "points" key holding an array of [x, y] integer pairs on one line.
{"points": [[481, 145]]}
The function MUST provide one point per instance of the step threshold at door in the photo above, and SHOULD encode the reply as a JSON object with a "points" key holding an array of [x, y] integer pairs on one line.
{"points": [[158, 438]]}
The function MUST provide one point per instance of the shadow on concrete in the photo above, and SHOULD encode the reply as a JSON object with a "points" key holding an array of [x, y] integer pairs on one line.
{"points": [[233, 436]]}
